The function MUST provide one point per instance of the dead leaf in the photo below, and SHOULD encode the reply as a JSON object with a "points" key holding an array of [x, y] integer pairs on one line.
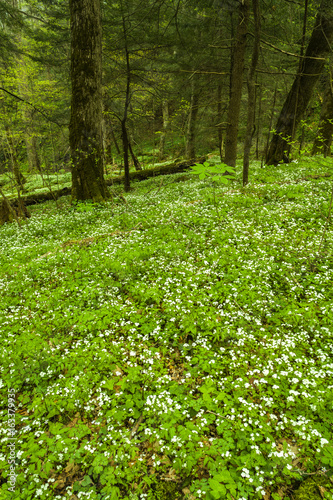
{"points": [[322, 490]]}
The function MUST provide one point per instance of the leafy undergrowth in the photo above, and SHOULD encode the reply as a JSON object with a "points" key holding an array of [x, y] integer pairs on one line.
{"points": [[175, 346]]}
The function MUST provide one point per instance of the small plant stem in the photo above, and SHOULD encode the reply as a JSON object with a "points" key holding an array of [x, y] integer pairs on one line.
{"points": [[327, 220]]}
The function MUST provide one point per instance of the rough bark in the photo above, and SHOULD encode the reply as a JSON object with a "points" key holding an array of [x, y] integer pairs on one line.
{"points": [[302, 89], [323, 141], [85, 129], [236, 84], [191, 124], [251, 90]]}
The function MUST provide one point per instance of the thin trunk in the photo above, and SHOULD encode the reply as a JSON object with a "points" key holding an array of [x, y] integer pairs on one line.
{"points": [[165, 114], [251, 89], [302, 89], [236, 84], [191, 124], [258, 128], [85, 129], [323, 141], [19, 177], [136, 162], [124, 134], [115, 139], [10, 211], [124, 137], [270, 124], [219, 120]]}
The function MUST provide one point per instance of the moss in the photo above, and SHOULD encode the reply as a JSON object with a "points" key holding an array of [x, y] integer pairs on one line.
{"points": [[314, 488], [166, 490]]}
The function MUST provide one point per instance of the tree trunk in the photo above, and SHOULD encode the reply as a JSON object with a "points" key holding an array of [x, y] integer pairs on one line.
{"points": [[251, 89], [124, 137], [136, 162], [191, 124], [236, 84], [10, 211], [19, 177], [258, 127], [114, 139], [220, 127], [85, 128], [323, 140], [165, 113], [301, 92]]}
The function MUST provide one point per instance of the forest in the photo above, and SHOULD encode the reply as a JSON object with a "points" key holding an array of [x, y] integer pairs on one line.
{"points": [[166, 263]]}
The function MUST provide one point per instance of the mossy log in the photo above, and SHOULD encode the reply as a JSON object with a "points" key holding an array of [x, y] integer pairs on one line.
{"points": [[140, 175], [314, 488]]}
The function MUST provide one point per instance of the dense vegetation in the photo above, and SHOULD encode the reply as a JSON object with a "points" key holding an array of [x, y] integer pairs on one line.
{"points": [[173, 343], [168, 75]]}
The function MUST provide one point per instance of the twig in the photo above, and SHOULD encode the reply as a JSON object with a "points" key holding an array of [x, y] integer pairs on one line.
{"points": [[136, 426]]}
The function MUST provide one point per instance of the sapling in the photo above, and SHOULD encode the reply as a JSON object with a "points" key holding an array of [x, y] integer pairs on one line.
{"points": [[220, 173]]}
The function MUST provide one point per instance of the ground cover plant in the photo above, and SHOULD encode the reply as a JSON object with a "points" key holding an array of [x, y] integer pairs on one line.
{"points": [[171, 343]]}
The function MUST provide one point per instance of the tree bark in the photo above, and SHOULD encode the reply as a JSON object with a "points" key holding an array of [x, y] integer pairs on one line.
{"points": [[251, 90], [85, 128], [236, 84], [323, 141], [302, 89]]}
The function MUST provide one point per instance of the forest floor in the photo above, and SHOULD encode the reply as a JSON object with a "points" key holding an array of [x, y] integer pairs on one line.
{"points": [[171, 344]]}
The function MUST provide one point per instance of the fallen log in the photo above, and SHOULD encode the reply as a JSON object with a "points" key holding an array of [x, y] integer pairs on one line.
{"points": [[140, 175]]}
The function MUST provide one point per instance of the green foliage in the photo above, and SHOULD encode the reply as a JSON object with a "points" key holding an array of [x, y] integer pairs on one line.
{"points": [[220, 173], [159, 352]]}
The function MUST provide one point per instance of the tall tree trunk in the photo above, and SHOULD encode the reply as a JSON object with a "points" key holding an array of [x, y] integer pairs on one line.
{"points": [[236, 84], [165, 114], [258, 127], [300, 94], [191, 124], [251, 90], [85, 128], [323, 141], [124, 136], [220, 113]]}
